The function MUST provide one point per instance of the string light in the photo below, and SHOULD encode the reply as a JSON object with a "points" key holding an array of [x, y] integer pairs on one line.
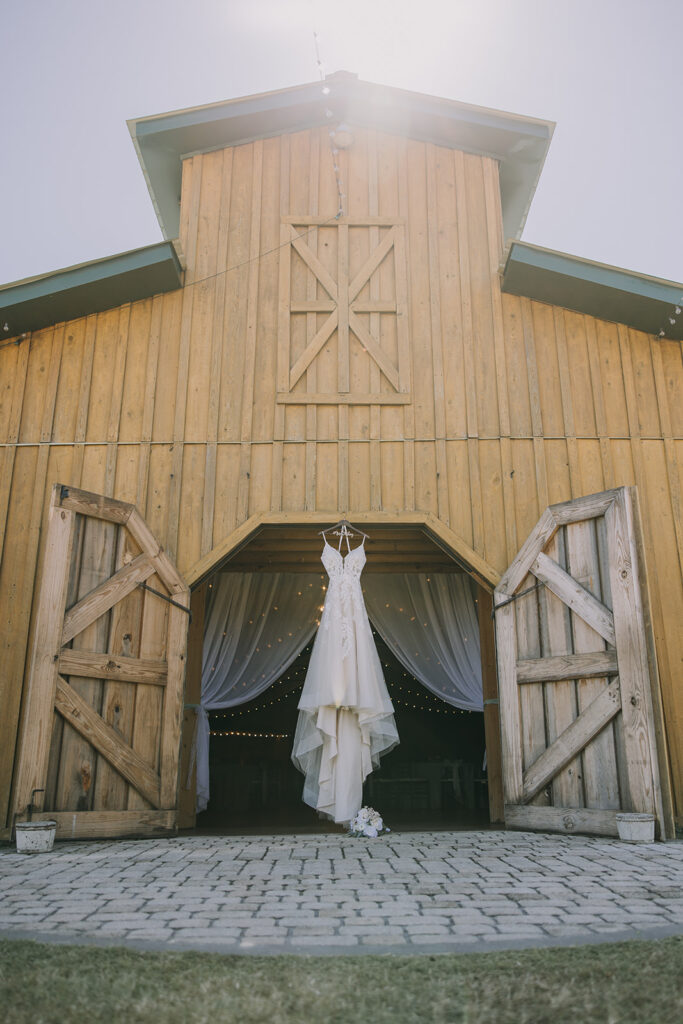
{"points": [[410, 698], [258, 707], [672, 318], [439, 706], [430, 711], [252, 735]]}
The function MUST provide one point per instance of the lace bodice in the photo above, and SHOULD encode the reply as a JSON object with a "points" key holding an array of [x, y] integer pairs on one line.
{"points": [[344, 601], [339, 567]]}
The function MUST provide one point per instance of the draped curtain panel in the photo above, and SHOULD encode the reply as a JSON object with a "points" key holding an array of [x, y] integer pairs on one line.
{"points": [[256, 626], [258, 623], [430, 624]]}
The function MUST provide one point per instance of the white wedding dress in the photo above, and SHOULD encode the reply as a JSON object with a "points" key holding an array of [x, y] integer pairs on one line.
{"points": [[346, 718]]}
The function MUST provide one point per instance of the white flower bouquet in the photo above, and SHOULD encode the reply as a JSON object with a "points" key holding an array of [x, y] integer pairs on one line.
{"points": [[367, 823]]}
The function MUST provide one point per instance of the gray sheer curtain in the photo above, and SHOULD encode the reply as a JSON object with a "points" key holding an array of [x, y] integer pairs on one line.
{"points": [[431, 625]]}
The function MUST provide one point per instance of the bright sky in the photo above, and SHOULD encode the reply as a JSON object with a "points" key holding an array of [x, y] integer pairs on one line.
{"points": [[607, 71]]}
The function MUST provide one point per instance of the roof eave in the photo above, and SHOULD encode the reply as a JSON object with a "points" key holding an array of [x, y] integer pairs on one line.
{"points": [[605, 292], [86, 288], [520, 144]]}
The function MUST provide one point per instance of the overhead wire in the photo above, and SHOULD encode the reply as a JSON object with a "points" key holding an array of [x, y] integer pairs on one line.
{"points": [[210, 277]]}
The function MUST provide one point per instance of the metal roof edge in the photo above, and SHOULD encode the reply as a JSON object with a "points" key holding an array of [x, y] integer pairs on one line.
{"points": [[280, 98], [92, 287], [598, 289]]}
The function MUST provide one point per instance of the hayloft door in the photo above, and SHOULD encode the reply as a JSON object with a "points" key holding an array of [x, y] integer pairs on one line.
{"points": [[101, 728], [577, 675]]}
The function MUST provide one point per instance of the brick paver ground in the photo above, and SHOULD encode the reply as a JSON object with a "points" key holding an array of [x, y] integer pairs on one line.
{"points": [[405, 892]]}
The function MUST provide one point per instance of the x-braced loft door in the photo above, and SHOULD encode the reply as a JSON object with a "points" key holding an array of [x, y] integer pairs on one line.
{"points": [[343, 316], [577, 675], [101, 728]]}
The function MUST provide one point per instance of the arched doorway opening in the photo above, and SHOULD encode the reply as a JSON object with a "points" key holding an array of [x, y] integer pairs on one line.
{"points": [[445, 773]]}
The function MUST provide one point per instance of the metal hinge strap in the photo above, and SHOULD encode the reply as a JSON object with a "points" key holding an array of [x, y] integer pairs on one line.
{"points": [[515, 597], [165, 597]]}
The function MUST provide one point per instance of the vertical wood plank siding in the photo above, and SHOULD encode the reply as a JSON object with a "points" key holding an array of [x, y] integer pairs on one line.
{"points": [[171, 402]]}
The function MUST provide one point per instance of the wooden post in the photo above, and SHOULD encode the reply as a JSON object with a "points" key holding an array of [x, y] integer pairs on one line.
{"points": [[634, 669], [187, 817], [668, 825], [489, 679], [42, 680]]}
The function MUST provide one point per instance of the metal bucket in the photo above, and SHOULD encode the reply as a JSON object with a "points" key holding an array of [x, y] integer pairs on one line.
{"points": [[35, 836], [636, 828]]}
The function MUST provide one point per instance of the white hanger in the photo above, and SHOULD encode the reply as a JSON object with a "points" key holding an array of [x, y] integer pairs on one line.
{"points": [[347, 530]]}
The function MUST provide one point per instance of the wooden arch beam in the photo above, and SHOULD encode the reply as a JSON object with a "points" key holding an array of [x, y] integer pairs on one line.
{"points": [[445, 538]]}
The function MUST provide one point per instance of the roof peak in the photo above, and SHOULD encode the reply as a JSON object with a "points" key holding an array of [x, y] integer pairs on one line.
{"points": [[518, 143]]}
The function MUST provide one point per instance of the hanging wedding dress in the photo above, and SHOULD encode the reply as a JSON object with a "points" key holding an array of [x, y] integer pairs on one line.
{"points": [[346, 718]]}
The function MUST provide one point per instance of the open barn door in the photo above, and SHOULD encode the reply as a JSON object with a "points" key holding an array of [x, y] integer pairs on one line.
{"points": [[101, 725], [578, 686]]}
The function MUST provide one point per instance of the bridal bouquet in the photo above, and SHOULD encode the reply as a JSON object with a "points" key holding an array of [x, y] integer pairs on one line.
{"points": [[367, 823]]}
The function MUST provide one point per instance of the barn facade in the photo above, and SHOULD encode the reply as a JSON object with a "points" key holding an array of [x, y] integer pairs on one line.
{"points": [[338, 327]]}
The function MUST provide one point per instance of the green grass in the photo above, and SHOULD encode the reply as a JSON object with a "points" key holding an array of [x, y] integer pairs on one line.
{"points": [[631, 982]]}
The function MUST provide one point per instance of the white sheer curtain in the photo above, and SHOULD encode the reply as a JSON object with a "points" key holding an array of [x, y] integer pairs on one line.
{"points": [[430, 623], [256, 625]]}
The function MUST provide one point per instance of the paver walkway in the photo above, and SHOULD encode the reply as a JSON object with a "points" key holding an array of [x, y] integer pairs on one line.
{"points": [[405, 892]]}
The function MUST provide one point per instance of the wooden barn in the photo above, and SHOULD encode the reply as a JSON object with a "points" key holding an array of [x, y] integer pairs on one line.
{"points": [[342, 323]]}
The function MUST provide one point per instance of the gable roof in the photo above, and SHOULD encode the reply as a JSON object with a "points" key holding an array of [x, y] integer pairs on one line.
{"points": [[519, 143]]}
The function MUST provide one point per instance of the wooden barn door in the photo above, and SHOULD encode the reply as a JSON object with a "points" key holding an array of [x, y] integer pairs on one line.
{"points": [[101, 724], [578, 686]]}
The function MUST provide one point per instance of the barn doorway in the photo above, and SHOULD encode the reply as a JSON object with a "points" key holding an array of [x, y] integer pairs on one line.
{"points": [[443, 775]]}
